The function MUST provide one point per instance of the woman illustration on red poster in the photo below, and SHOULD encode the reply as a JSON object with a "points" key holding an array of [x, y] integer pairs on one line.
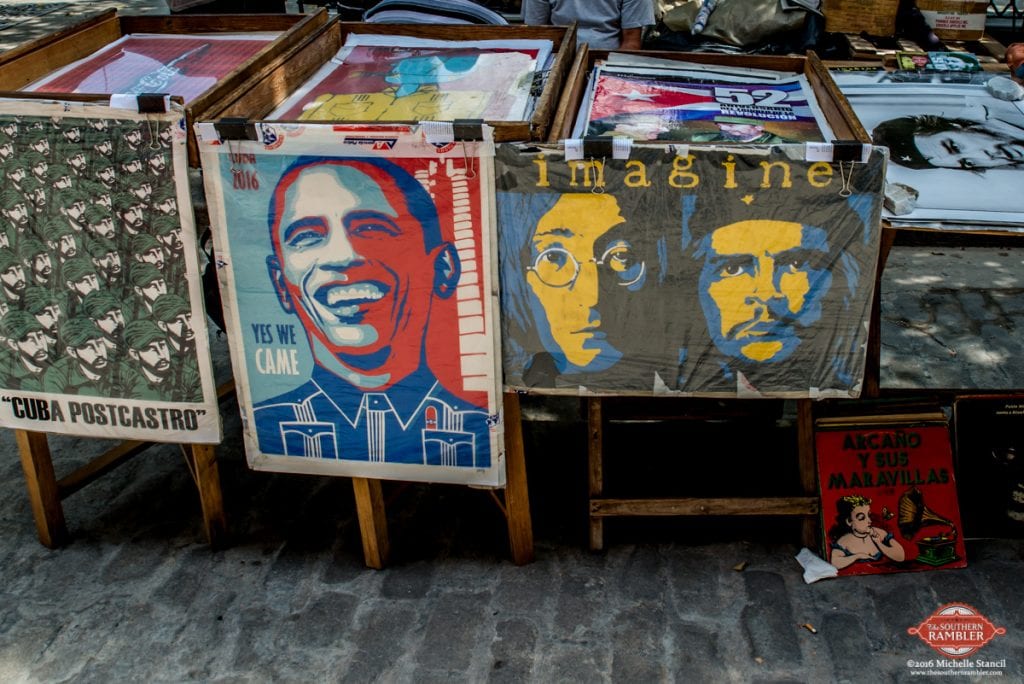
{"points": [[854, 539]]}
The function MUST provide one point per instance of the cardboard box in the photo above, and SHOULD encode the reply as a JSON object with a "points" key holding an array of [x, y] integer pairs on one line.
{"points": [[874, 17], [955, 19]]}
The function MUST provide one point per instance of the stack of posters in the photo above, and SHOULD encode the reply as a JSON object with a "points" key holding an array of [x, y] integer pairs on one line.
{"points": [[957, 146], [937, 61], [666, 100], [357, 273], [101, 308], [182, 65], [701, 272], [401, 78]]}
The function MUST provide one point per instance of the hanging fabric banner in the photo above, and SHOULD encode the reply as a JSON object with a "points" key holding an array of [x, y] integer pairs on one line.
{"points": [[738, 272]]}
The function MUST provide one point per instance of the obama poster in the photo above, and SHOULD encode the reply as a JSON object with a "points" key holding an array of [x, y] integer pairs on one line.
{"points": [[360, 297]]}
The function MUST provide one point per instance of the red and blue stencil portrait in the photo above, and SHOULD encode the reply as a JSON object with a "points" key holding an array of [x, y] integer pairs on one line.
{"points": [[357, 283]]}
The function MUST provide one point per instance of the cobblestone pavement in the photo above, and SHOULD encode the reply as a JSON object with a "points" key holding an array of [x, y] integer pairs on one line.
{"points": [[953, 318], [137, 595]]}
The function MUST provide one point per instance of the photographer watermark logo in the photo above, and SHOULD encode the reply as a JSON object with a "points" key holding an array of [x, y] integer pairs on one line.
{"points": [[956, 630]]}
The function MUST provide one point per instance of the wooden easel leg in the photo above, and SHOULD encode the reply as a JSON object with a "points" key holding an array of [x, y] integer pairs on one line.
{"points": [[595, 460], [805, 456], [373, 524], [517, 496], [203, 462], [42, 488]]}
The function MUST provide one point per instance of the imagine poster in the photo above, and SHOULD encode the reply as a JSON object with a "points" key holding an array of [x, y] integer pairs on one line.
{"points": [[416, 80], [182, 65], [958, 146], [357, 276], [101, 310], [705, 273]]}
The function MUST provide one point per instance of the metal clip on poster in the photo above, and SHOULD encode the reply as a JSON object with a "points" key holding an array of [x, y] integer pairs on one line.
{"points": [[840, 152], [144, 103], [232, 128], [597, 147], [457, 130]]}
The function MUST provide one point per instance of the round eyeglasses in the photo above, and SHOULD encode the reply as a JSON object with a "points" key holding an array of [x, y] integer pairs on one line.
{"points": [[557, 267]]}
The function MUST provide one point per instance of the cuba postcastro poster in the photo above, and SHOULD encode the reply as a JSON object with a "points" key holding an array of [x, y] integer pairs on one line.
{"points": [[101, 308], [356, 267], [699, 271]]}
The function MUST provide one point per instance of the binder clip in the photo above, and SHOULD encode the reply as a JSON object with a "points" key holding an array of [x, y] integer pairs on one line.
{"points": [[845, 153], [458, 130], [235, 128], [597, 149]]}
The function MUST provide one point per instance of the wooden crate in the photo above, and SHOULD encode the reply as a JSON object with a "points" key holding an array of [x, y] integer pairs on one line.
{"points": [[834, 106], [955, 19], [258, 96], [874, 17], [37, 58]]}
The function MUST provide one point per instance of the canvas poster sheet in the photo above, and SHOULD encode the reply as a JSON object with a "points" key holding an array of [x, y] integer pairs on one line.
{"points": [[182, 65], [889, 500], [103, 326], [719, 272], [960, 148], [395, 78], [359, 283], [700, 106]]}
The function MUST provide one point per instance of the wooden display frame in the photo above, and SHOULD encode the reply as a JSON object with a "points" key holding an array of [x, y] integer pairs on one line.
{"points": [[833, 104], [45, 491], [254, 99], [805, 505], [37, 58], [258, 96], [991, 55]]}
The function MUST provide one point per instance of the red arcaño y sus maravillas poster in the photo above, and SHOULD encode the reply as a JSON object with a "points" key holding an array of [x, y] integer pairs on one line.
{"points": [[888, 499]]}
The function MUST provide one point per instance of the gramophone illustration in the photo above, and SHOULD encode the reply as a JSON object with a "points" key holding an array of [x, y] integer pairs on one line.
{"points": [[935, 549]]}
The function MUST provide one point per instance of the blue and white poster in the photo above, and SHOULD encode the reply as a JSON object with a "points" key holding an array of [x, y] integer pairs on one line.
{"points": [[359, 290]]}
